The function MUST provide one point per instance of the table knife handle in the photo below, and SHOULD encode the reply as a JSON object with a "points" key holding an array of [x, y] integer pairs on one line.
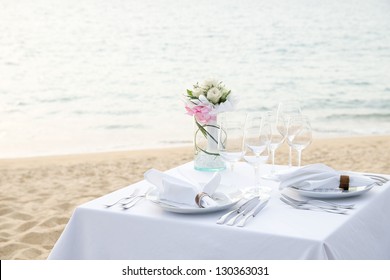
{"points": [[255, 211], [244, 220], [223, 218], [249, 207]]}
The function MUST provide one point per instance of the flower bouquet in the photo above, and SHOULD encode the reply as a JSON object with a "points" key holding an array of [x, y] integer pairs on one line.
{"points": [[204, 102]]}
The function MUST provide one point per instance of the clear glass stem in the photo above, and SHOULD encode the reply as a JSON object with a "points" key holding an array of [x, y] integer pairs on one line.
{"points": [[232, 166], [257, 175], [299, 157], [290, 156], [273, 161]]}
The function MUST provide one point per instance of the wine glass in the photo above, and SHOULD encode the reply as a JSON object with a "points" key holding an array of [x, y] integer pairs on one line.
{"points": [[278, 131], [286, 110], [256, 141], [230, 137], [299, 134]]}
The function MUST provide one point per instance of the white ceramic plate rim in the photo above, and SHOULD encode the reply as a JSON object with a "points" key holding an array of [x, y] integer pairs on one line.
{"points": [[354, 191], [222, 204]]}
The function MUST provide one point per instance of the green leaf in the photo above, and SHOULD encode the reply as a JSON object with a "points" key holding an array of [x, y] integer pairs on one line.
{"points": [[225, 95], [201, 128], [205, 132]]}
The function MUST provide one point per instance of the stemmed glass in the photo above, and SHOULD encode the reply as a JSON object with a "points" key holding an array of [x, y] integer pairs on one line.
{"points": [[278, 131], [230, 137], [256, 141], [287, 110], [299, 134]]}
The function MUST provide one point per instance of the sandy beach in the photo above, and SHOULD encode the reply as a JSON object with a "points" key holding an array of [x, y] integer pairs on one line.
{"points": [[38, 195]]}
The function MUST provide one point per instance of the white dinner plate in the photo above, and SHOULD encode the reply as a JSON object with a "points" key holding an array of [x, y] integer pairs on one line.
{"points": [[224, 201], [339, 193]]}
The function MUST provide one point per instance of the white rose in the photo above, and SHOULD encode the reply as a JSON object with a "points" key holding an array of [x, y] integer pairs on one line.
{"points": [[197, 92], [210, 83], [214, 94]]}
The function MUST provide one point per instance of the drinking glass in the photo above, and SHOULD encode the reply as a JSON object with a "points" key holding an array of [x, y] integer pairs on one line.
{"points": [[286, 110], [256, 142], [230, 137], [278, 131], [299, 134]]}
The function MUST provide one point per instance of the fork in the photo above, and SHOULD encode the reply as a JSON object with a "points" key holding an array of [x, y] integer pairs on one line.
{"points": [[380, 179], [313, 207], [135, 199], [132, 195], [314, 201], [133, 202]]}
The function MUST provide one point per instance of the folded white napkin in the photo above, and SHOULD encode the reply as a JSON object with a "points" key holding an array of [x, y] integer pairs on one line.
{"points": [[182, 193], [319, 176]]}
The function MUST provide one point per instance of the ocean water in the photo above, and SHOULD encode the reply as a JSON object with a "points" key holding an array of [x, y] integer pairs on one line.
{"points": [[96, 75]]}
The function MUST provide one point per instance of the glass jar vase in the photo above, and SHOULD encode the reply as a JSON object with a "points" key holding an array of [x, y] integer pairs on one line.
{"points": [[206, 155]]}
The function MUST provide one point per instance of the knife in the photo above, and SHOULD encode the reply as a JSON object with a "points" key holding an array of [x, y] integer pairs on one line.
{"points": [[230, 214], [256, 211], [238, 216]]}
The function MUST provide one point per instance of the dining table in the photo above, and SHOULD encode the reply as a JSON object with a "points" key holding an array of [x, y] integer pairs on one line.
{"points": [[148, 231]]}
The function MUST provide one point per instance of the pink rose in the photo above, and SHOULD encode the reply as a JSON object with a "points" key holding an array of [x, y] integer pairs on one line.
{"points": [[202, 113]]}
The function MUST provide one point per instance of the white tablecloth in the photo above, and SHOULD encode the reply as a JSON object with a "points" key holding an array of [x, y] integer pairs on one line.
{"points": [[279, 232]]}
